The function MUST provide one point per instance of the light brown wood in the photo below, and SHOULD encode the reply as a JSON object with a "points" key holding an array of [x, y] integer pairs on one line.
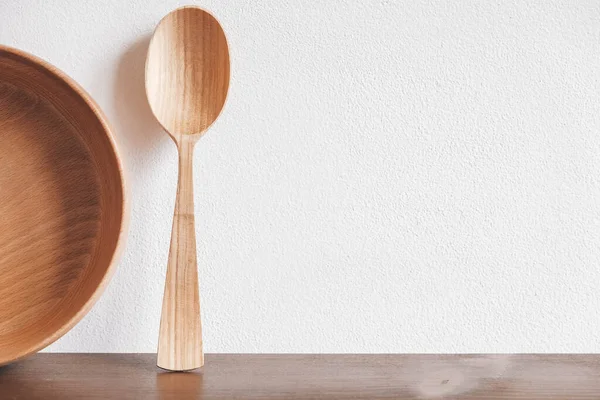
{"points": [[294, 377], [61, 204], [187, 78]]}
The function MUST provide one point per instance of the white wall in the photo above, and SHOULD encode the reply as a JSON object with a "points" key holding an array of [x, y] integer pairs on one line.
{"points": [[387, 176]]}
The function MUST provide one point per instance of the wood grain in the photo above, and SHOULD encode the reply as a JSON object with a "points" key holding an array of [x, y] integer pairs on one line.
{"points": [[61, 202], [187, 79], [231, 376]]}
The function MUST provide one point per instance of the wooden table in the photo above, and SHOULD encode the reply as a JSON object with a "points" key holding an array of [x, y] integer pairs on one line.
{"points": [[229, 376]]}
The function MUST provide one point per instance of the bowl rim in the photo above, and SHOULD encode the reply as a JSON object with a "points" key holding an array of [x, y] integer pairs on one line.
{"points": [[124, 225]]}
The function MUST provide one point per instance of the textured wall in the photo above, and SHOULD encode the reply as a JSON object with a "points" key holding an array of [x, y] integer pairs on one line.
{"points": [[387, 176]]}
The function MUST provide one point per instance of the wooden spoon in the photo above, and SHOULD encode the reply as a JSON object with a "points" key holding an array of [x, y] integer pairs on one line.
{"points": [[187, 77]]}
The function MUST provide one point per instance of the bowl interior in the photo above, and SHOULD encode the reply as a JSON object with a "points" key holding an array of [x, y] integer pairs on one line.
{"points": [[61, 202]]}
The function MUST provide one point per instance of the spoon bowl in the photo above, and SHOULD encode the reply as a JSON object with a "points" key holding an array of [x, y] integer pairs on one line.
{"points": [[187, 78], [187, 72]]}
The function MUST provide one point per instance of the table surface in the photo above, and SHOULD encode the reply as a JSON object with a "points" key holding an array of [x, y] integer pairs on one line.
{"points": [[262, 376]]}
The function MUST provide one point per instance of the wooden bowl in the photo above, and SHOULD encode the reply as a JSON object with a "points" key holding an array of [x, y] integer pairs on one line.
{"points": [[62, 204]]}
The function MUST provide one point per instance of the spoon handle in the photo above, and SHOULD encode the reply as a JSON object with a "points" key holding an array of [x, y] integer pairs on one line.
{"points": [[180, 336]]}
